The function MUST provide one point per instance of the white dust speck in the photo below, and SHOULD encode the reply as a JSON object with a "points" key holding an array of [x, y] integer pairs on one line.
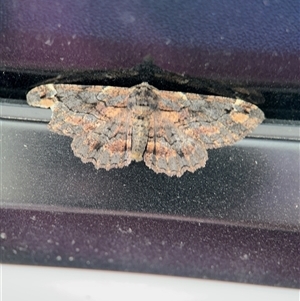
{"points": [[58, 258], [168, 41], [49, 42], [127, 17], [128, 231], [3, 235]]}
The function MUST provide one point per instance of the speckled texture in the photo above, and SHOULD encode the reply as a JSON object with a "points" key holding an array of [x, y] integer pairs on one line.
{"points": [[170, 131], [150, 245], [249, 41], [238, 220]]}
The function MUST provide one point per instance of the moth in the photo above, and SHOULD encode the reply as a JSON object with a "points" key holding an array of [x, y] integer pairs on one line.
{"points": [[170, 131]]}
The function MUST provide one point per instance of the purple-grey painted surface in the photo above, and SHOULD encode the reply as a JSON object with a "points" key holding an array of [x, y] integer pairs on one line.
{"points": [[256, 41], [150, 245]]}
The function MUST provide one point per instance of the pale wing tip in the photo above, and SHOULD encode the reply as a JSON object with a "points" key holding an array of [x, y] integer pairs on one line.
{"points": [[42, 96]]}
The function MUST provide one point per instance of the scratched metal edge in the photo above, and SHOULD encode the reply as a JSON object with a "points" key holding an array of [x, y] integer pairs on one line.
{"points": [[152, 216], [273, 129], [24, 112], [106, 231]]}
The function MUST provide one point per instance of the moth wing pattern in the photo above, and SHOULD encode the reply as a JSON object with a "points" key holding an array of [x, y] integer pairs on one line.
{"points": [[215, 121], [111, 125], [95, 117], [78, 98], [107, 146], [170, 151]]}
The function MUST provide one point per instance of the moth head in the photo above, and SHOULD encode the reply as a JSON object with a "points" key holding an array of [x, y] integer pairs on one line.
{"points": [[143, 95]]}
